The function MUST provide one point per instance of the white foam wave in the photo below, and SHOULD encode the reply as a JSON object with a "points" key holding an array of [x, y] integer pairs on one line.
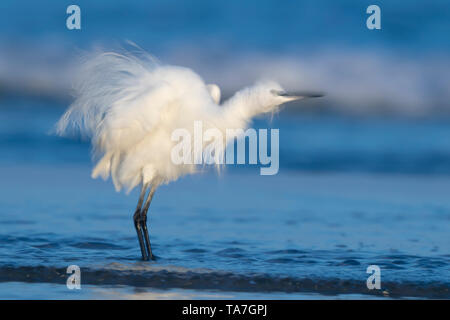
{"points": [[355, 81]]}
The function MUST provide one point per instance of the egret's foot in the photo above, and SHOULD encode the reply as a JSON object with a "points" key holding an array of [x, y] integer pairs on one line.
{"points": [[138, 225]]}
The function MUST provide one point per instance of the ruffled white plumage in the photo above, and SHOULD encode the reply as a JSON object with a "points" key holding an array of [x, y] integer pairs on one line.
{"points": [[129, 105], [120, 99]]}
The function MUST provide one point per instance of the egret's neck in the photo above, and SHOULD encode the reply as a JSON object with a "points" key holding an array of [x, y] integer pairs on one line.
{"points": [[242, 107]]}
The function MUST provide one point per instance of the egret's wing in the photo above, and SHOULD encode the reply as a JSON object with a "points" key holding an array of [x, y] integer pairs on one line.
{"points": [[118, 100], [122, 102]]}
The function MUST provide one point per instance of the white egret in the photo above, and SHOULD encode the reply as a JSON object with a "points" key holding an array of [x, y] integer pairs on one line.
{"points": [[128, 105]]}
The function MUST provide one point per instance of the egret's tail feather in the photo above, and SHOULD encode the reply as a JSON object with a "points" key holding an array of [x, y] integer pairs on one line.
{"points": [[115, 162], [103, 167], [105, 82], [116, 104]]}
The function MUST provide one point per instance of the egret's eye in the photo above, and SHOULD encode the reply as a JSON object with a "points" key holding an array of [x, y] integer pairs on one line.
{"points": [[277, 92]]}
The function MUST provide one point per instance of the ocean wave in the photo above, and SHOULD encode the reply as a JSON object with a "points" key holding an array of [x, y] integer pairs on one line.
{"points": [[355, 81], [147, 276]]}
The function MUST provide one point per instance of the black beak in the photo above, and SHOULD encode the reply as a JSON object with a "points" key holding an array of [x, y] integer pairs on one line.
{"points": [[301, 94]]}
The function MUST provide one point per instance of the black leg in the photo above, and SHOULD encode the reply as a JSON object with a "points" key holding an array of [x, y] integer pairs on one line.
{"points": [[146, 238], [144, 221], [137, 225], [137, 218]]}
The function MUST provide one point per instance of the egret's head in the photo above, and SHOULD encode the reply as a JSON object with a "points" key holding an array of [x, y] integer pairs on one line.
{"points": [[270, 95]]}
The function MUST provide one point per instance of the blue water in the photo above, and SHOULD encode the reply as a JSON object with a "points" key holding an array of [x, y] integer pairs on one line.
{"points": [[364, 172], [313, 228]]}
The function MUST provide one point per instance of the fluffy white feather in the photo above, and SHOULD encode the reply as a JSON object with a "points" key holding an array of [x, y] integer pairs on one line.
{"points": [[129, 105]]}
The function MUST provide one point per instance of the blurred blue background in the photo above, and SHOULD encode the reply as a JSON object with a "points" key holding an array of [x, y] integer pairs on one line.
{"points": [[373, 155], [387, 103]]}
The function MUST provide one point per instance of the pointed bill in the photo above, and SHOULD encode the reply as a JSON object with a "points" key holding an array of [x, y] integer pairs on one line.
{"points": [[301, 94]]}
